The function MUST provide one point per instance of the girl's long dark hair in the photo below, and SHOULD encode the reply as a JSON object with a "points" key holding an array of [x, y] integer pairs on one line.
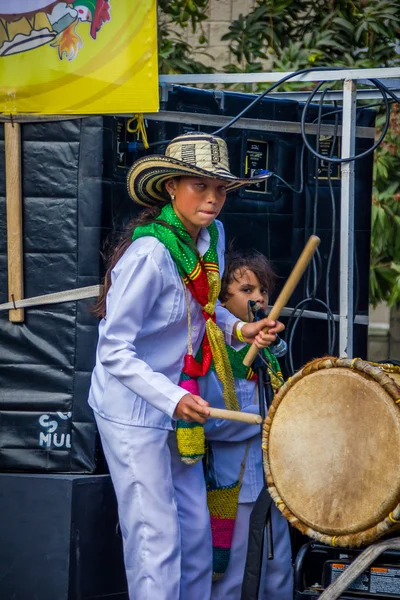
{"points": [[114, 251]]}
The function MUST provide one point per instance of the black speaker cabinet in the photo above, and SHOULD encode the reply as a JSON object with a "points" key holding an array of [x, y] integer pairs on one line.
{"points": [[59, 538]]}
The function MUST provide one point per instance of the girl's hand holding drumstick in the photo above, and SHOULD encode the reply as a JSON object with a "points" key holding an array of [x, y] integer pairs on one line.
{"points": [[193, 409], [253, 332]]}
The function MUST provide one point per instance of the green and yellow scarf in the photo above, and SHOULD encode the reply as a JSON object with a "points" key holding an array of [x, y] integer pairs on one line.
{"points": [[240, 371], [201, 276]]}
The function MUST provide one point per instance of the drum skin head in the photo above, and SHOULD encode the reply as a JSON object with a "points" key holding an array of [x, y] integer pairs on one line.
{"points": [[334, 449]]}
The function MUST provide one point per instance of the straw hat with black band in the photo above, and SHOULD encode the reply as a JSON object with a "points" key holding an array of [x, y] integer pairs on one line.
{"points": [[189, 155]]}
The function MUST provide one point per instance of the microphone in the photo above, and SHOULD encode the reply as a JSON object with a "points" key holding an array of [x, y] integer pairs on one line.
{"points": [[257, 311], [279, 346]]}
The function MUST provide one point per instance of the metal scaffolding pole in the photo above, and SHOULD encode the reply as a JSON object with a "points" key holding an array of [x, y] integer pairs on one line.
{"points": [[328, 75], [346, 303]]}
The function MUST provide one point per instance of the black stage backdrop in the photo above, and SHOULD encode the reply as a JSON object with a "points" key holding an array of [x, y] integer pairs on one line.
{"points": [[46, 362]]}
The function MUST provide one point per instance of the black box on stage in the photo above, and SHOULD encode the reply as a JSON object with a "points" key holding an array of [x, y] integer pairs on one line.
{"points": [[374, 581], [46, 424], [317, 566], [59, 539]]}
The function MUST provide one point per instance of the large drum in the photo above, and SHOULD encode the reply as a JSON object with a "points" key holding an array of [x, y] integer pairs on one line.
{"points": [[331, 446]]}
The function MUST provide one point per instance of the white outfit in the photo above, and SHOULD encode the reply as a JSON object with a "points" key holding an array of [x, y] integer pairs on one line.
{"points": [[163, 513], [144, 338], [134, 393], [228, 446]]}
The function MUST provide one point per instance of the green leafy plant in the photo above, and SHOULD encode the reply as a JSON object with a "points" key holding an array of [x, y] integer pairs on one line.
{"points": [[175, 55], [385, 243]]}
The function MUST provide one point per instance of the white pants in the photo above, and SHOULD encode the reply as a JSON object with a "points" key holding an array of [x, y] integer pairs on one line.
{"points": [[163, 513], [277, 576]]}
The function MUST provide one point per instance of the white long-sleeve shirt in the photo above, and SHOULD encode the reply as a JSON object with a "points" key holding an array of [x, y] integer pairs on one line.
{"points": [[144, 337]]}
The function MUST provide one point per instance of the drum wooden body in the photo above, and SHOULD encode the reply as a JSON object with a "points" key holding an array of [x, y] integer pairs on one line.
{"points": [[331, 446]]}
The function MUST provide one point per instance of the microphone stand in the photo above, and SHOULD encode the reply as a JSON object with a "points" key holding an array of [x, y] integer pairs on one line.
{"points": [[265, 397]]}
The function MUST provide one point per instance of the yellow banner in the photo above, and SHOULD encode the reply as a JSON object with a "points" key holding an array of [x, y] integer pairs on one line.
{"points": [[82, 57]]}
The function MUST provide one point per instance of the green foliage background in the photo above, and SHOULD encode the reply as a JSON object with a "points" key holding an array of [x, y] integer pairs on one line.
{"points": [[287, 35]]}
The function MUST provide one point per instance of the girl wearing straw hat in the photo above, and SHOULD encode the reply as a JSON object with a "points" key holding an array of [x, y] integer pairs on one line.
{"points": [[161, 329]]}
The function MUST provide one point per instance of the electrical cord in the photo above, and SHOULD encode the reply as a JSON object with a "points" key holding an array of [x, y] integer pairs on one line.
{"points": [[300, 190], [381, 87], [333, 235], [350, 158], [317, 261], [363, 107], [332, 330], [267, 91], [301, 306], [269, 366], [316, 199], [326, 159], [316, 266], [386, 90]]}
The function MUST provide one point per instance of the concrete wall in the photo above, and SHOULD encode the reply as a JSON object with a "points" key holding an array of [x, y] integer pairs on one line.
{"points": [[378, 333], [394, 334], [384, 333], [221, 13]]}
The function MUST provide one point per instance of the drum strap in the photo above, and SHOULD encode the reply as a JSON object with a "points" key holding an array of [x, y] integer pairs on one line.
{"points": [[252, 571]]}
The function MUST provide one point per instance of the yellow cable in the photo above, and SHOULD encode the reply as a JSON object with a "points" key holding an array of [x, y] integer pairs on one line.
{"points": [[140, 129]]}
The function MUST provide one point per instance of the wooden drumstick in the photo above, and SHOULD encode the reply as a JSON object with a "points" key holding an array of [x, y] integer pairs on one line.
{"points": [[287, 290], [235, 415]]}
